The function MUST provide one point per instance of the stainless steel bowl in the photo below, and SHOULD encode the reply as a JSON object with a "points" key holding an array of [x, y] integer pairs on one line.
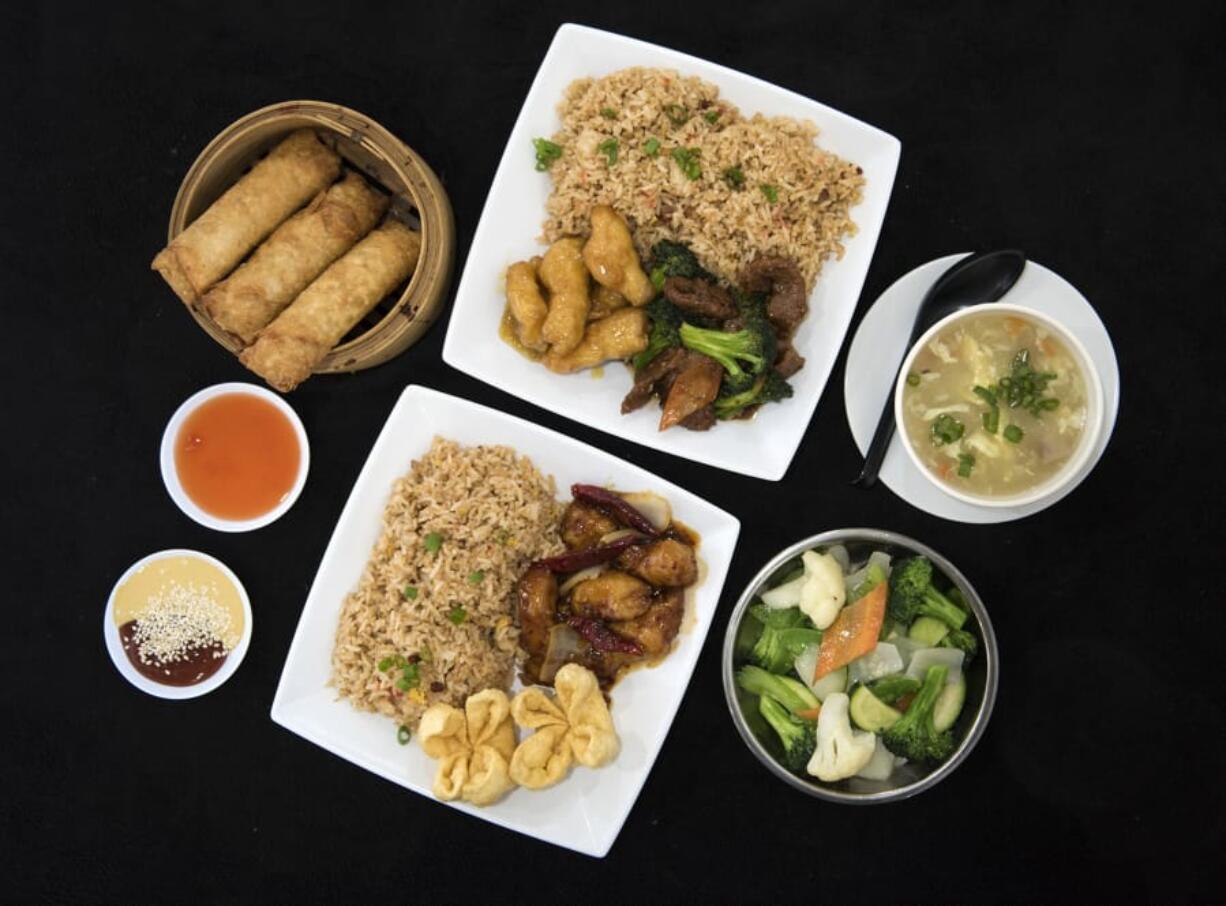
{"points": [[909, 779]]}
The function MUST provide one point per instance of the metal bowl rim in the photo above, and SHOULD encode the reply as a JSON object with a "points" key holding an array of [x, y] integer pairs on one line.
{"points": [[990, 655]]}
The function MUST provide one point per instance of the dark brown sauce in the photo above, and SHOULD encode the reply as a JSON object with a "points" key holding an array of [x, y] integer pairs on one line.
{"points": [[199, 665]]}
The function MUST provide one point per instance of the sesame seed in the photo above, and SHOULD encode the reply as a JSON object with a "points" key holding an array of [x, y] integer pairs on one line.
{"points": [[179, 620]]}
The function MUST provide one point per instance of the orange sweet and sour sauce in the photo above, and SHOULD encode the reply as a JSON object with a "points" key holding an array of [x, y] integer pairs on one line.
{"points": [[237, 456]]}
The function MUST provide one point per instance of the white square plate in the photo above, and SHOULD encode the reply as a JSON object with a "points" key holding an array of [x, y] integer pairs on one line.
{"points": [[585, 812], [515, 209]]}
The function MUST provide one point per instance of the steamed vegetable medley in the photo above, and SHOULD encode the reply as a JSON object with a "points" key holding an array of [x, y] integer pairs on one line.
{"points": [[856, 670]]}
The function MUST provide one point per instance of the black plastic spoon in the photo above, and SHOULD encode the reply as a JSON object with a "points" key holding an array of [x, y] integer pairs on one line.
{"points": [[976, 279]]}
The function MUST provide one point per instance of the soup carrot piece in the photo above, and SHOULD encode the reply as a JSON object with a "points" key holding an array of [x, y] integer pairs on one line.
{"points": [[809, 713], [1014, 326], [853, 633]]}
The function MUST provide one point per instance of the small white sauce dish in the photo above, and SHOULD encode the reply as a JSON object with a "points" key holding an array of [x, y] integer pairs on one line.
{"points": [[170, 475], [114, 645], [1091, 433]]}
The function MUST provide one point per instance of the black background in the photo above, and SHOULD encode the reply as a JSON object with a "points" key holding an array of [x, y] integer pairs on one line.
{"points": [[1091, 138]]}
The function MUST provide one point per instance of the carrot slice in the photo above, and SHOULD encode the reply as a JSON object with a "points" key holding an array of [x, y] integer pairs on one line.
{"points": [[809, 713], [853, 633], [1014, 326]]}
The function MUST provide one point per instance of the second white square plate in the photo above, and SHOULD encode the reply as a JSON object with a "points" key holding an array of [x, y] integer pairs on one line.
{"points": [[584, 812], [515, 209]]}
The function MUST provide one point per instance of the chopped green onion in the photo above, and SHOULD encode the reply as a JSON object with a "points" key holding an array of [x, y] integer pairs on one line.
{"points": [[966, 462], [734, 177], [503, 536], [608, 113], [457, 615], [609, 149], [687, 160], [946, 429], [475, 577], [403, 735], [651, 147], [433, 542], [677, 113], [913, 379], [771, 192], [991, 418], [385, 664], [410, 592], [402, 684], [546, 152], [712, 115], [411, 675], [658, 277], [426, 655], [1014, 434]]}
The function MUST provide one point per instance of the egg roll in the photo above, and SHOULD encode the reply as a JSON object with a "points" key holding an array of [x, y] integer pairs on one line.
{"points": [[294, 255], [289, 348], [216, 241]]}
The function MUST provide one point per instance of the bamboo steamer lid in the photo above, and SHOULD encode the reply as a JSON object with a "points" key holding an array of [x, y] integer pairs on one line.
{"points": [[418, 199]]}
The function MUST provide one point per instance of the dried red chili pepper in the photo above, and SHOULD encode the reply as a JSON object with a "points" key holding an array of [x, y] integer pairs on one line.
{"points": [[601, 637], [573, 561], [615, 502]]}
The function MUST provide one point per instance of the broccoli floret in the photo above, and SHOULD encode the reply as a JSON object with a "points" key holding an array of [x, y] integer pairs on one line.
{"points": [[768, 388], [893, 687], [799, 737], [674, 259], [912, 595], [784, 636], [665, 324], [913, 735], [963, 641], [791, 693], [753, 344]]}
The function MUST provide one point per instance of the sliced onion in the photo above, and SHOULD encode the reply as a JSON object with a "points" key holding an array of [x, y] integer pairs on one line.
{"points": [[620, 533], [657, 510], [564, 647], [582, 576]]}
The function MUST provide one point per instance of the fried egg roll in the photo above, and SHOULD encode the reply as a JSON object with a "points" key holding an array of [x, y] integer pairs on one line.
{"points": [[292, 173], [294, 255], [289, 348]]}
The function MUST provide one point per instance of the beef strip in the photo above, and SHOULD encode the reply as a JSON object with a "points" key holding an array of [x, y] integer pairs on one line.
{"points": [[700, 297], [786, 305], [648, 379], [788, 361], [700, 420]]}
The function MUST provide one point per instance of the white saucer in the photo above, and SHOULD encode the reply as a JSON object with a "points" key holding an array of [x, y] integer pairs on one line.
{"points": [[880, 344]]}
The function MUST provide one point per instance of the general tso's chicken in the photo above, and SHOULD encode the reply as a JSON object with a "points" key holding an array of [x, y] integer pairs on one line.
{"points": [[695, 387], [565, 276], [613, 595], [619, 336], [611, 257], [584, 525], [655, 629], [526, 303], [667, 562], [605, 301], [537, 599]]}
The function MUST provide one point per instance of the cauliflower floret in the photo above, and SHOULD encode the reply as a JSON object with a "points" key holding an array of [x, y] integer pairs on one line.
{"points": [[841, 751], [820, 592]]}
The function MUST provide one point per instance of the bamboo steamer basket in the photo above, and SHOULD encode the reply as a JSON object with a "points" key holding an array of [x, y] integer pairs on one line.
{"points": [[418, 199]]}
